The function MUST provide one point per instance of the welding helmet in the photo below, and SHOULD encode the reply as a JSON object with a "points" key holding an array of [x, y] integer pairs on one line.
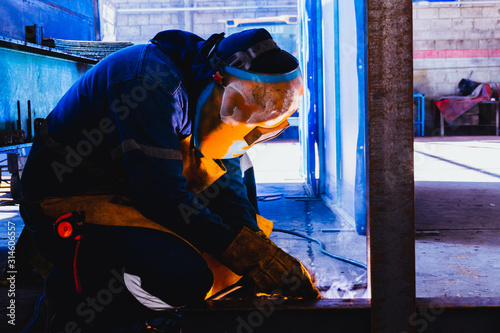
{"points": [[257, 86]]}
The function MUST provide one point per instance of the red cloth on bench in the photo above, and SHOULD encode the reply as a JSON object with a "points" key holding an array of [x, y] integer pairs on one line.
{"points": [[451, 107]]}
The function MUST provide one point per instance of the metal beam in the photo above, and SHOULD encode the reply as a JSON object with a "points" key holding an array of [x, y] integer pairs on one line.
{"points": [[97, 21], [391, 187], [271, 316], [199, 9]]}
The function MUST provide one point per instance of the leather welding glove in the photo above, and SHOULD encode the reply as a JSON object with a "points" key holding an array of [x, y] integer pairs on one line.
{"points": [[272, 270]]}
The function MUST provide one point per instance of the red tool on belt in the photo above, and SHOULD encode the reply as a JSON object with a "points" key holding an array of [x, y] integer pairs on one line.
{"points": [[70, 225]]}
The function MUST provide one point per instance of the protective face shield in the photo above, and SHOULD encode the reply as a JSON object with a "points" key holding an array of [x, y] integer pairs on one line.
{"points": [[247, 109]]}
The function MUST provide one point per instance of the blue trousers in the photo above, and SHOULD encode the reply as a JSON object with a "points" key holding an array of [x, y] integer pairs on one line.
{"points": [[168, 268]]}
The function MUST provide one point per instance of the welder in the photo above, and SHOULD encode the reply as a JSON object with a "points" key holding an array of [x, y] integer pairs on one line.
{"points": [[134, 185]]}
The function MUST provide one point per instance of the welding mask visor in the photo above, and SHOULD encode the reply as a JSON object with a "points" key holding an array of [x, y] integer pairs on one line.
{"points": [[246, 109]]}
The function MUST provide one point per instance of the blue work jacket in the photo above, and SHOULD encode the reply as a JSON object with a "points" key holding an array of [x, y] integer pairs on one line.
{"points": [[118, 130]]}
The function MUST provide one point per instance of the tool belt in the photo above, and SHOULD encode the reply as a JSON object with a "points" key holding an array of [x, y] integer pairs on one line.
{"points": [[115, 210], [110, 210]]}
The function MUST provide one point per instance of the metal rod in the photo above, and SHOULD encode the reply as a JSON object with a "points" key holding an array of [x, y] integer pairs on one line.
{"points": [[194, 9], [19, 115], [28, 123]]}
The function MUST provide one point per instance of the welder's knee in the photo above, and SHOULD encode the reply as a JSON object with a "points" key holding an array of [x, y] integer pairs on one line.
{"points": [[158, 268], [173, 285], [170, 269]]}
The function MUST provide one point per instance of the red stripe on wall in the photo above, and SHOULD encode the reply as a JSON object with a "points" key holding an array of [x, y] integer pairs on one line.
{"points": [[470, 53]]}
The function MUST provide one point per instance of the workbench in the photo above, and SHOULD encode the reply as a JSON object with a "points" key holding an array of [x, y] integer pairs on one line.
{"points": [[496, 104]]}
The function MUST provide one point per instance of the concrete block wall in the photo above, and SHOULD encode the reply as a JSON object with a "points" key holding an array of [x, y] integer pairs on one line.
{"points": [[452, 42], [152, 16]]}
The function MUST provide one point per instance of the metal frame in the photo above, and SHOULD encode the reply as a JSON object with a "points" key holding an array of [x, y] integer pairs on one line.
{"points": [[420, 121], [391, 236], [97, 22], [311, 127]]}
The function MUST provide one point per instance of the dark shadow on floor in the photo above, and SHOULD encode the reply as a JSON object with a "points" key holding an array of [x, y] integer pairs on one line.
{"points": [[457, 247]]}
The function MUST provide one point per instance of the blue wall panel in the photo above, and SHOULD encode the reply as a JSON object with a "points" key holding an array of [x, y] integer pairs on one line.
{"points": [[344, 54], [64, 19], [35, 77], [311, 129]]}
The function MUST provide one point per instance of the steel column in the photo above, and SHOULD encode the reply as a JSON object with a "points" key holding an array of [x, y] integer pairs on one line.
{"points": [[391, 186]]}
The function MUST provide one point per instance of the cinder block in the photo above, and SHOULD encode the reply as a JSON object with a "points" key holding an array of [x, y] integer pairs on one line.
{"points": [[138, 19], [176, 18], [495, 77], [128, 31], [424, 45], [160, 18], [449, 12], [419, 25], [437, 76], [467, 44], [493, 43], [485, 24], [446, 89], [453, 76], [173, 3], [150, 5], [203, 18], [443, 34], [445, 63], [480, 76], [441, 24], [439, 90], [130, 5], [433, 63], [492, 63], [210, 29], [475, 63], [463, 24], [121, 19], [150, 30], [471, 12], [427, 13], [493, 11], [447, 44], [420, 64], [173, 26], [422, 35]]}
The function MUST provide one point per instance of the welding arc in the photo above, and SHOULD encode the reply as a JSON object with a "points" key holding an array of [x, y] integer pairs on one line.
{"points": [[322, 246]]}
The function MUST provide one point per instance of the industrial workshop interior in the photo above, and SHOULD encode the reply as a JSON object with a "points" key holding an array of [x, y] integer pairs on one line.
{"points": [[385, 185]]}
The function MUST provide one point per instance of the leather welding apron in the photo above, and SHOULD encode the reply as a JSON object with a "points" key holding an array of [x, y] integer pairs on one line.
{"points": [[116, 210]]}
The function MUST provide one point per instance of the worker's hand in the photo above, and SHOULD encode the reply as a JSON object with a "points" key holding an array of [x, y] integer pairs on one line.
{"points": [[272, 270]]}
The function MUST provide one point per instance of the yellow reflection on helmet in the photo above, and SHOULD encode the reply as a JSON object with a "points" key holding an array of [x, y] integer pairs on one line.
{"points": [[248, 109]]}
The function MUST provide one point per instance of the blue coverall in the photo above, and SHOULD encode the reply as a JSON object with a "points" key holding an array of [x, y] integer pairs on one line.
{"points": [[118, 131]]}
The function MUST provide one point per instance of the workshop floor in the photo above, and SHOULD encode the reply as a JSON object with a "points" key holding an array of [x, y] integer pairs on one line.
{"points": [[457, 208], [457, 193]]}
